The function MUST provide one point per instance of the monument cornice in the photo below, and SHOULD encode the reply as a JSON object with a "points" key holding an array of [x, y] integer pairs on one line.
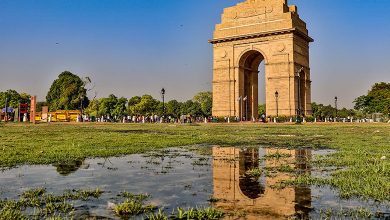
{"points": [[263, 34]]}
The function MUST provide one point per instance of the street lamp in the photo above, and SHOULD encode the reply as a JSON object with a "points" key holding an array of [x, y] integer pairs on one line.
{"points": [[163, 99], [246, 108], [335, 104], [81, 104], [240, 106], [277, 103], [6, 110]]}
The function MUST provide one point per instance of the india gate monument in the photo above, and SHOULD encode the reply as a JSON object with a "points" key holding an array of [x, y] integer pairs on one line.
{"points": [[252, 32]]}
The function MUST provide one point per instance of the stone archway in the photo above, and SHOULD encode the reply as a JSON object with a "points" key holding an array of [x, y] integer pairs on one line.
{"points": [[249, 83], [257, 198], [249, 33]]}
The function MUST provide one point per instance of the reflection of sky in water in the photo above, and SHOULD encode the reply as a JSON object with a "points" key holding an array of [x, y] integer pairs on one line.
{"points": [[180, 178], [184, 185]]}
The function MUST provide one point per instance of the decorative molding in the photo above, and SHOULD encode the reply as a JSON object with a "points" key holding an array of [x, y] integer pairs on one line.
{"points": [[263, 34], [223, 81]]}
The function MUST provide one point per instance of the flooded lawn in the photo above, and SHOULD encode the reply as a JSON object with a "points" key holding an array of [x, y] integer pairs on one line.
{"points": [[243, 183]]}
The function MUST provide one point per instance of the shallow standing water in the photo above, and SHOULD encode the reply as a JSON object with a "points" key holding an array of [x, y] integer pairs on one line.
{"points": [[240, 182]]}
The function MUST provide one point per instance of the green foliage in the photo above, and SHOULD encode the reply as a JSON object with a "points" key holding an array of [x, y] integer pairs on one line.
{"points": [[47, 205], [191, 108], [14, 98], [120, 107], [93, 108], [205, 99], [160, 215], [376, 101], [137, 197], [206, 214], [344, 113], [359, 146], [310, 118], [255, 172], [196, 214], [40, 105], [173, 108], [107, 105], [68, 92], [262, 110], [24, 98], [134, 100], [321, 111], [132, 207], [283, 118], [131, 105], [11, 214], [277, 155], [110, 106], [147, 106], [342, 213]]}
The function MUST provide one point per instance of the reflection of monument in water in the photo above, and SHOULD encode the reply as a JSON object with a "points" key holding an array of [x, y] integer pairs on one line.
{"points": [[238, 192]]}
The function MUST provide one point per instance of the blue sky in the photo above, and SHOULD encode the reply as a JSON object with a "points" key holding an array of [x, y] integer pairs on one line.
{"points": [[134, 47]]}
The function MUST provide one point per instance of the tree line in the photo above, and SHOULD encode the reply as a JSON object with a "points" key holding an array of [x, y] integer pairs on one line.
{"points": [[146, 105], [69, 92]]}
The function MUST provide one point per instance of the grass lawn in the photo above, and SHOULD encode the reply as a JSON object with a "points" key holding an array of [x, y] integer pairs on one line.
{"points": [[359, 146]]}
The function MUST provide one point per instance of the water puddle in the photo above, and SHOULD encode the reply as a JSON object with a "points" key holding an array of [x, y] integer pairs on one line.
{"points": [[238, 181]]}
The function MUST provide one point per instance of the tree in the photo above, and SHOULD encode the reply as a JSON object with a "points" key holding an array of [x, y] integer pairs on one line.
{"points": [[345, 113], [377, 99], [261, 110], [107, 105], [93, 108], [40, 105], [191, 108], [120, 107], [134, 100], [147, 106], [131, 104], [361, 103], [14, 98], [205, 99], [67, 92], [24, 98], [173, 108]]}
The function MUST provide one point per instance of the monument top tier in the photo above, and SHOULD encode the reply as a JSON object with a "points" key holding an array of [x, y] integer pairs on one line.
{"points": [[259, 17]]}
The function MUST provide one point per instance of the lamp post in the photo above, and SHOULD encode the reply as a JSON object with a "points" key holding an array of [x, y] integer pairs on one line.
{"points": [[19, 111], [6, 110], [246, 107], [335, 105], [240, 106], [163, 99], [28, 109], [277, 103]]}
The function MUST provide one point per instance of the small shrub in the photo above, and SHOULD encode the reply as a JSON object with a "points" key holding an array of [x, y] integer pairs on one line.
{"points": [[131, 208]]}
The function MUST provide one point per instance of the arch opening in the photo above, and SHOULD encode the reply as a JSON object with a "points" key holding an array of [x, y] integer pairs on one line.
{"points": [[251, 187], [249, 84], [301, 94]]}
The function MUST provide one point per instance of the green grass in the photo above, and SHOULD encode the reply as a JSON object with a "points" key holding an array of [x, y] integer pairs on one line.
{"points": [[359, 146], [196, 214], [45, 205], [131, 207]]}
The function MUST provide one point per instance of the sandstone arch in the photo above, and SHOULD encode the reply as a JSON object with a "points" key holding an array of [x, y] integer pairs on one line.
{"points": [[264, 202], [249, 33]]}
